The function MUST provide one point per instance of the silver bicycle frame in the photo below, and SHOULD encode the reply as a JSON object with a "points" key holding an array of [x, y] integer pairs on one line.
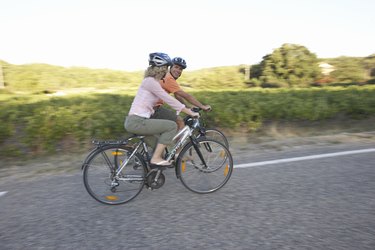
{"points": [[128, 159], [184, 133]]}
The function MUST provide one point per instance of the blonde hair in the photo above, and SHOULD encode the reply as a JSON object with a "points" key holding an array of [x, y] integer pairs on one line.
{"points": [[156, 72]]}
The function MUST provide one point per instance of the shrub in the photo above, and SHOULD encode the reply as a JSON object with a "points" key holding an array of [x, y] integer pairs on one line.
{"points": [[34, 125]]}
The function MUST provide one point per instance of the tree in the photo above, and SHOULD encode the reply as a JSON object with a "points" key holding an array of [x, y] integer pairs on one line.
{"points": [[290, 65], [348, 69], [369, 66]]}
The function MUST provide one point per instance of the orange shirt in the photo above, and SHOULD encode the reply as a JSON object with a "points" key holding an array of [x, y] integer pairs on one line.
{"points": [[169, 84]]}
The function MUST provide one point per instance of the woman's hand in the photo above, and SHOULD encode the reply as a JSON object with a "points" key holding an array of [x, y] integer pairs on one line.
{"points": [[194, 114], [190, 112]]}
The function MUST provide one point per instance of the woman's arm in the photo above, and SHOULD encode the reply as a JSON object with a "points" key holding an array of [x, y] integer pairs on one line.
{"points": [[154, 87]]}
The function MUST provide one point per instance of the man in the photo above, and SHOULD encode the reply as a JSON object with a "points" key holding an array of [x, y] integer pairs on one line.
{"points": [[139, 121], [169, 84]]}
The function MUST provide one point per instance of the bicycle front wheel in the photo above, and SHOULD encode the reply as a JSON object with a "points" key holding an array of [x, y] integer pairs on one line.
{"points": [[217, 135], [105, 183], [204, 166]]}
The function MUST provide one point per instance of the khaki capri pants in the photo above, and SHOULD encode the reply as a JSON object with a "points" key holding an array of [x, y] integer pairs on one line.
{"points": [[165, 130]]}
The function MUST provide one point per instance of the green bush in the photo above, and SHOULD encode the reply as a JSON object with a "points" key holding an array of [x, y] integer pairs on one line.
{"points": [[38, 124]]}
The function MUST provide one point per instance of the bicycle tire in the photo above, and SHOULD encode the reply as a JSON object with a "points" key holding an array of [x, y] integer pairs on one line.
{"points": [[215, 134], [199, 178], [99, 170]]}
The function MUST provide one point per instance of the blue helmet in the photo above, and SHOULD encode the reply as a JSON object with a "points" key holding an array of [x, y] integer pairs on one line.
{"points": [[159, 59], [179, 61]]}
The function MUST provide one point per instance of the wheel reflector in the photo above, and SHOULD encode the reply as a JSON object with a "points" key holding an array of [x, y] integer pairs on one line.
{"points": [[183, 166], [222, 154], [117, 153], [226, 170], [111, 197]]}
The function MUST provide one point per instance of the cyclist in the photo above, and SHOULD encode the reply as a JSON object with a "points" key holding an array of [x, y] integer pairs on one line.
{"points": [[169, 83], [149, 93]]}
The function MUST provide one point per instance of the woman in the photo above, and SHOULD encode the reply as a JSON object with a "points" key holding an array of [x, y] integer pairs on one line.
{"points": [[138, 120]]}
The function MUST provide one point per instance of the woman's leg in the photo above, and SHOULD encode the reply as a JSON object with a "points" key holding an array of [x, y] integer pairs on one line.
{"points": [[157, 157], [166, 130], [168, 114]]}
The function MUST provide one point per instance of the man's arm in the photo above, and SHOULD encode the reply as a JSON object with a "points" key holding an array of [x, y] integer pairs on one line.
{"points": [[181, 99], [182, 96]]}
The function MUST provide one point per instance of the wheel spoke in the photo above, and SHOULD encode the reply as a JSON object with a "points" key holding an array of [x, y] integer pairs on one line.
{"points": [[100, 170], [206, 167]]}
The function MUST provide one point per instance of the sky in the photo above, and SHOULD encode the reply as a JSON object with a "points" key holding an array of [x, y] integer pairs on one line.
{"points": [[119, 34]]}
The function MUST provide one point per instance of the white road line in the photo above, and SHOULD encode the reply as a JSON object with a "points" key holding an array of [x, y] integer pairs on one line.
{"points": [[304, 158], [3, 193]]}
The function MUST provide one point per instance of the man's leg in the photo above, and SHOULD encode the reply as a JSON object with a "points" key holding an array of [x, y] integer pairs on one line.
{"points": [[167, 114], [180, 123]]}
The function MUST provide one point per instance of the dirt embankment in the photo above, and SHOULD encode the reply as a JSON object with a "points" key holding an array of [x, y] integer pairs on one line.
{"points": [[280, 136]]}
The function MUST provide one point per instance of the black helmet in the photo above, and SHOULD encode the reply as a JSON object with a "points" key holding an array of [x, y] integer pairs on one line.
{"points": [[179, 61], [159, 59]]}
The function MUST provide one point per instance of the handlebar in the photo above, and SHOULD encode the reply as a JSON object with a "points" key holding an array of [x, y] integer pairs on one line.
{"points": [[193, 121], [196, 109]]}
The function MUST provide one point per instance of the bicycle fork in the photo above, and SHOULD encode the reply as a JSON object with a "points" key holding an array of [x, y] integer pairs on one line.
{"points": [[197, 149]]}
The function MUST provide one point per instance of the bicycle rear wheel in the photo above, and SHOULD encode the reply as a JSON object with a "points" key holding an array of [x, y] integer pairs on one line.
{"points": [[101, 182], [204, 166]]}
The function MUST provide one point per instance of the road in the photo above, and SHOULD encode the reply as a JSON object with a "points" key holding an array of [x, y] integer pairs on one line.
{"points": [[317, 203]]}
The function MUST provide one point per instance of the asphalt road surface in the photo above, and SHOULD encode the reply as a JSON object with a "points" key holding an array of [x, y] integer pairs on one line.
{"points": [[325, 202]]}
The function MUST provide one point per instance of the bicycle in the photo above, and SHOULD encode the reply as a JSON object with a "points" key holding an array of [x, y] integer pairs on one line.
{"points": [[115, 172]]}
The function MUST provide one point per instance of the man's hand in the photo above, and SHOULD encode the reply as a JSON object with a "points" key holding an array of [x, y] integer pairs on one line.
{"points": [[207, 108]]}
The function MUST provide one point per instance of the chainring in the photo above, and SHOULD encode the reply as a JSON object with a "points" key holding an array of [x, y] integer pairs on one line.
{"points": [[155, 184]]}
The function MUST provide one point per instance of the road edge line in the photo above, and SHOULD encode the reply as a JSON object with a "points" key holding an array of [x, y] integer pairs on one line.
{"points": [[304, 158]]}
